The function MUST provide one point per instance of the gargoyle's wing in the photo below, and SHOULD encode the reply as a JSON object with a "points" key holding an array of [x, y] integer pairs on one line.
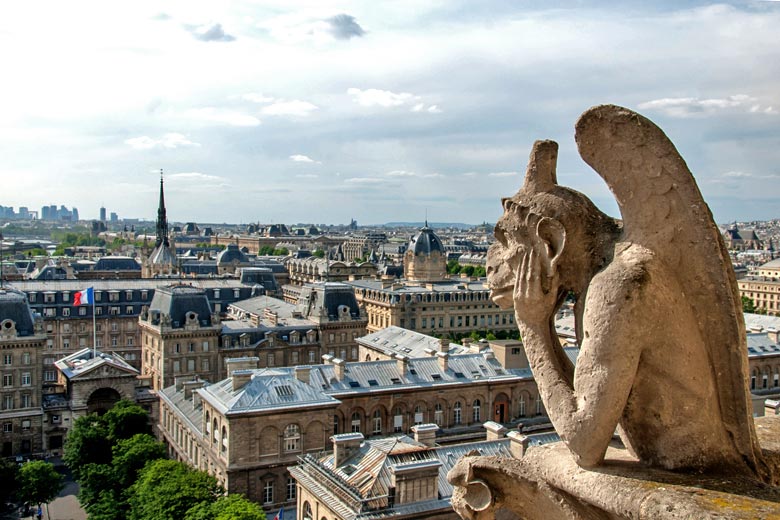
{"points": [[663, 210]]}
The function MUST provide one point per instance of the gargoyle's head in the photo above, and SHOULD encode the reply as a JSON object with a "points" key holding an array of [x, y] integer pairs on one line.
{"points": [[562, 225]]}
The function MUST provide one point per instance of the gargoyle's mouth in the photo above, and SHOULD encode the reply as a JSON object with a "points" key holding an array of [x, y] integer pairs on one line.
{"points": [[502, 296]]}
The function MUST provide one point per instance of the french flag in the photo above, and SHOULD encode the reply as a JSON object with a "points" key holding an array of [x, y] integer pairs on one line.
{"points": [[85, 297], [280, 515]]}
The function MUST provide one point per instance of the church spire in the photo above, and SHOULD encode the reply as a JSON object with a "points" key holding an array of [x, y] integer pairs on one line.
{"points": [[162, 219]]}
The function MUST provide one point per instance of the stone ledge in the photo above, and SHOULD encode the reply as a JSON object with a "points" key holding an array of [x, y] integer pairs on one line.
{"points": [[547, 484]]}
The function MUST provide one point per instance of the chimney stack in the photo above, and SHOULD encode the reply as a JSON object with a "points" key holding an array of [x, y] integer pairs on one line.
{"points": [[518, 443], [302, 373], [444, 345], [443, 360], [242, 363], [426, 434], [773, 334], [344, 446], [402, 362], [189, 386], [494, 430], [240, 378], [338, 365]]}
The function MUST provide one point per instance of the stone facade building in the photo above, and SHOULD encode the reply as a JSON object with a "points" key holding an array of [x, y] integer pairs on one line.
{"points": [[425, 260], [248, 428], [457, 306], [313, 269], [763, 288], [21, 345]]}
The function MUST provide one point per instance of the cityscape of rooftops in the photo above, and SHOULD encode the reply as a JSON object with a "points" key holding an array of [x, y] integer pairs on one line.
{"points": [[253, 262]]}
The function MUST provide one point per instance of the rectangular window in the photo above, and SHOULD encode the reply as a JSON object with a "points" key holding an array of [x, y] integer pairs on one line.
{"points": [[50, 375], [26, 425], [190, 365], [66, 311], [271, 359], [205, 346], [26, 379], [204, 365], [291, 489], [8, 380], [98, 312], [176, 367], [398, 423], [98, 296], [65, 343], [294, 358], [82, 312], [128, 295], [114, 311], [268, 492], [191, 347], [8, 402], [26, 401], [82, 342], [8, 359], [312, 356], [130, 341], [26, 358], [114, 341], [113, 296], [144, 295], [48, 298], [49, 312], [32, 296], [8, 427], [114, 327]]}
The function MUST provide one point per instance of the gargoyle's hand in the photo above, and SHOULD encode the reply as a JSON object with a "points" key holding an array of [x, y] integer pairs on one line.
{"points": [[535, 299]]}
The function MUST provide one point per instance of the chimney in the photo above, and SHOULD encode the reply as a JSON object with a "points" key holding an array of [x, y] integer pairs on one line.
{"points": [[773, 334], [189, 386], [240, 378], [466, 342], [443, 360], [179, 381], [430, 352], [444, 345], [327, 359], [494, 430], [426, 434], [344, 446], [518, 443], [302, 373], [241, 363], [338, 366], [402, 363]]}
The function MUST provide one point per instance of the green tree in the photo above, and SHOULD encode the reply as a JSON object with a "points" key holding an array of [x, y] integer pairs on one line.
{"points": [[468, 269], [319, 253], [479, 271], [126, 419], [230, 507], [39, 482], [87, 443], [167, 489], [453, 267], [490, 336], [131, 455], [748, 305]]}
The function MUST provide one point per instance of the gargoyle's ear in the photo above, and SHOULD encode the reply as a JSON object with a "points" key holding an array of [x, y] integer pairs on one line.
{"points": [[553, 237], [540, 175]]}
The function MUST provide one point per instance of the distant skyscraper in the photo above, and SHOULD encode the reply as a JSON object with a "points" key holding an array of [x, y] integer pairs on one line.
{"points": [[102, 214], [45, 213], [114, 217], [24, 213], [75, 214], [53, 212]]}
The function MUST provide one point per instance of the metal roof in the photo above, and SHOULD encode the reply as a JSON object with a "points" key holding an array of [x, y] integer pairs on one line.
{"points": [[395, 340], [85, 361]]}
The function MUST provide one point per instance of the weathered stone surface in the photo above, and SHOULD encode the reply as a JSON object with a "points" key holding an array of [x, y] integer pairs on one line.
{"points": [[663, 355]]}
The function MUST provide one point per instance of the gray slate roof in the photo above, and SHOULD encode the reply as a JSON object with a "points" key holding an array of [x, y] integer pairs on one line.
{"points": [[14, 307]]}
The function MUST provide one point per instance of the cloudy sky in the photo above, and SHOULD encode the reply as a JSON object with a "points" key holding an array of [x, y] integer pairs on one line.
{"points": [[282, 111]]}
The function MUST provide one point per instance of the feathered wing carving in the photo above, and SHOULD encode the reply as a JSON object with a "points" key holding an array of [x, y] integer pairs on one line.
{"points": [[664, 211]]}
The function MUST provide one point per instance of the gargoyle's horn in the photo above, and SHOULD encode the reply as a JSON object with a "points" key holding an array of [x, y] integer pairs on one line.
{"points": [[540, 175]]}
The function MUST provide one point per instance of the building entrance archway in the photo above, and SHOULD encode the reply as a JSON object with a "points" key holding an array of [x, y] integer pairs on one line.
{"points": [[102, 400]]}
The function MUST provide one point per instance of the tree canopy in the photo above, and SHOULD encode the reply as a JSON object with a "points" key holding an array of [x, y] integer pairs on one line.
{"points": [[39, 482], [167, 490], [230, 507]]}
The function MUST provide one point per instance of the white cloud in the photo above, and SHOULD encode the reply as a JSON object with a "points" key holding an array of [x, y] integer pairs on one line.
{"points": [[290, 108], [212, 32], [195, 176], [222, 116], [502, 174], [365, 180], [383, 98], [257, 97], [419, 107], [434, 109], [169, 140], [303, 159], [736, 175], [691, 106], [401, 173], [316, 27]]}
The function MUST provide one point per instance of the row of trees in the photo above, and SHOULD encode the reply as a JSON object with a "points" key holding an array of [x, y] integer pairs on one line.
{"points": [[123, 474], [271, 251], [453, 267]]}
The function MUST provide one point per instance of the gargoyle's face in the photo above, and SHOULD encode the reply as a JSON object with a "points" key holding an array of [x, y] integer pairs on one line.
{"points": [[503, 260]]}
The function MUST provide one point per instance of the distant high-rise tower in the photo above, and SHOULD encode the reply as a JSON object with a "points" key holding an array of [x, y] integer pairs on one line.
{"points": [[75, 214], [102, 214]]}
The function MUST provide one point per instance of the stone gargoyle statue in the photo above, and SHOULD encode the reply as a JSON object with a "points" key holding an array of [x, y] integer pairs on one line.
{"points": [[663, 355]]}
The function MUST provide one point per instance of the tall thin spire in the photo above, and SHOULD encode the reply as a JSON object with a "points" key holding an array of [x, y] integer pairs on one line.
{"points": [[162, 219]]}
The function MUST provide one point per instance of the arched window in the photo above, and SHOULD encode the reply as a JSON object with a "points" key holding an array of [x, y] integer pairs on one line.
{"points": [[224, 440], [292, 438], [476, 409], [521, 406], [208, 424], [215, 438], [456, 413], [418, 415], [355, 422], [539, 408], [377, 421], [438, 414], [398, 420], [307, 511]]}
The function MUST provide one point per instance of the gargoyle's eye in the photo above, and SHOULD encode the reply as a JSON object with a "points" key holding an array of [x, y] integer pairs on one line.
{"points": [[507, 203], [500, 236]]}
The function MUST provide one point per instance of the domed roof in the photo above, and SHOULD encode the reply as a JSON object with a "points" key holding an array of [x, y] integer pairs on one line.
{"points": [[230, 254], [426, 242], [14, 308]]}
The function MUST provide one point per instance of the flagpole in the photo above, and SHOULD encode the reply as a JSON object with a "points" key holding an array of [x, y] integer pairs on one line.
{"points": [[94, 329]]}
